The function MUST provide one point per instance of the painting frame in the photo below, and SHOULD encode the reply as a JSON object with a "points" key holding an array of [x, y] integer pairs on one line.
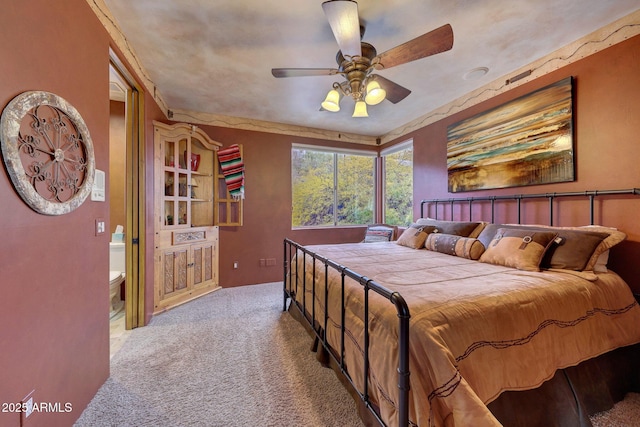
{"points": [[523, 142]]}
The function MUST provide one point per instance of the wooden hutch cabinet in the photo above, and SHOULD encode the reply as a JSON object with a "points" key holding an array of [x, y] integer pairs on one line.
{"points": [[186, 191]]}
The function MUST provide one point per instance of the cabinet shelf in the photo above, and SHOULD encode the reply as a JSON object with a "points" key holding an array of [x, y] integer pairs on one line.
{"points": [[186, 165], [176, 169]]}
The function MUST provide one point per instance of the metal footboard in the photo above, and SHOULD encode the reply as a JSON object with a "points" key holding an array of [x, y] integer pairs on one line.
{"points": [[291, 275]]}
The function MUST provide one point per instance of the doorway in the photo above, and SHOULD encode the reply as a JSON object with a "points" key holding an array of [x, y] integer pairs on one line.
{"points": [[124, 89]]}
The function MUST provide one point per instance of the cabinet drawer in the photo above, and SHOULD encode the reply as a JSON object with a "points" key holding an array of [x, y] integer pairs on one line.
{"points": [[188, 236]]}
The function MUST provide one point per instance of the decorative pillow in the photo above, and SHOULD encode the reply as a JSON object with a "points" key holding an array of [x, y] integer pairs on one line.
{"points": [[415, 236], [615, 237], [457, 228], [490, 230], [572, 250], [475, 233], [464, 247], [521, 249], [379, 233]]}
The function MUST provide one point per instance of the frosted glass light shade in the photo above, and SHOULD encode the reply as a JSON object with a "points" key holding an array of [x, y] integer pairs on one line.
{"points": [[345, 24], [360, 110], [332, 101], [375, 94]]}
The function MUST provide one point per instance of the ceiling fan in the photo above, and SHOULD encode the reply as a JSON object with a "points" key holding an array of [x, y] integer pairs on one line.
{"points": [[357, 60]]}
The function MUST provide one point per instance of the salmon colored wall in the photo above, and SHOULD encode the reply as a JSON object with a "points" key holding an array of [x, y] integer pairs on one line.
{"points": [[54, 327], [607, 150]]}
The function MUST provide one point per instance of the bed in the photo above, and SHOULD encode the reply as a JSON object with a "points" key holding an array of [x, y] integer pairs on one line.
{"points": [[451, 323]]}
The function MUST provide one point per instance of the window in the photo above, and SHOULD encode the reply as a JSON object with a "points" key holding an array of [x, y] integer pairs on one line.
{"points": [[331, 187], [398, 184]]}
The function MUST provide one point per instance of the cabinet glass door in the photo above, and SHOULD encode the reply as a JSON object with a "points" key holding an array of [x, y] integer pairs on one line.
{"points": [[201, 184]]}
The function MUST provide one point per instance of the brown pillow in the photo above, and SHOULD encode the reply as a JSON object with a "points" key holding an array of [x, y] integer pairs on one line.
{"points": [[572, 249], [464, 247], [521, 249], [490, 230], [415, 236], [457, 228], [614, 237]]}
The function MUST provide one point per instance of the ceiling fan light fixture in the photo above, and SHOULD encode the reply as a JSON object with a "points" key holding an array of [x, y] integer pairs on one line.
{"points": [[360, 110], [375, 94], [332, 101], [357, 60]]}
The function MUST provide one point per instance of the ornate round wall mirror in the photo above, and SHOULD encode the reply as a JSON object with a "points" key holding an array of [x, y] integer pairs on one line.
{"points": [[47, 151]]}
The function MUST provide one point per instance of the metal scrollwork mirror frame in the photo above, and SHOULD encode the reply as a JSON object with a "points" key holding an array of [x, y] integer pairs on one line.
{"points": [[47, 151]]}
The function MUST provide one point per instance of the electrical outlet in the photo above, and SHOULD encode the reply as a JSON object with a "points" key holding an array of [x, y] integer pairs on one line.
{"points": [[271, 262], [26, 408], [235, 265], [262, 262]]}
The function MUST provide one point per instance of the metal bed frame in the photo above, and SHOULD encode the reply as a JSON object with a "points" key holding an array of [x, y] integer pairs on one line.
{"points": [[292, 249], [520, 197]]}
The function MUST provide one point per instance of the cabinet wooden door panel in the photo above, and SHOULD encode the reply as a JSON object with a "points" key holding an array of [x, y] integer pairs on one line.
{"points": [[204, 260], [174, 277], [197, 266], [186, 270]]}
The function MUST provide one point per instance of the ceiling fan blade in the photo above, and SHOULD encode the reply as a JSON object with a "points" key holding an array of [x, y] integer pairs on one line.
{"points": [[302, 72], [395, 92], [436, 41], [345, 24]]}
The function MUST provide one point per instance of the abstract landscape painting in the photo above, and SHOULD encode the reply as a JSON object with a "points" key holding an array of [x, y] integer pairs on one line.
{"points": [[527, 141]]}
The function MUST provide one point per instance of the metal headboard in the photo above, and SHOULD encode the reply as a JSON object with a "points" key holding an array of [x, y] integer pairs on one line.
{"points": [[519, 197]]}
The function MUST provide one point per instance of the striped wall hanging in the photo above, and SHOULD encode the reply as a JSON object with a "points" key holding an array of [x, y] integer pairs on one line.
{"points": [[232, 167]]}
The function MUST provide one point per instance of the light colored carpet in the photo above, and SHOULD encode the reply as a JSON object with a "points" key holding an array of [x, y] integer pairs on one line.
{"points": [[623, 414], [233, 358], [230, 358]]}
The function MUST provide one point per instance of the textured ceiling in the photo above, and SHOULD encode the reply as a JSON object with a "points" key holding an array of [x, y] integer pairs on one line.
{"points": [[216, 56]]}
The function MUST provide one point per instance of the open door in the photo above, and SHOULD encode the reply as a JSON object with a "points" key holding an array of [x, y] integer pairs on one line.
{"points": [[133, 97]]}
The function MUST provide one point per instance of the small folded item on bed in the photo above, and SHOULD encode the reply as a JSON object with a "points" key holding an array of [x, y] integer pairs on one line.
{"points": [[380, 233]]}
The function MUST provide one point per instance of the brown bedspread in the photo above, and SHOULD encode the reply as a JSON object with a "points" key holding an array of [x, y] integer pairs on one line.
{"points": [[476, 329]]}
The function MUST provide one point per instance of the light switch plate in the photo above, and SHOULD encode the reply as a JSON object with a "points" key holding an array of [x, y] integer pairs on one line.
{"points": [[100, 226]]}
